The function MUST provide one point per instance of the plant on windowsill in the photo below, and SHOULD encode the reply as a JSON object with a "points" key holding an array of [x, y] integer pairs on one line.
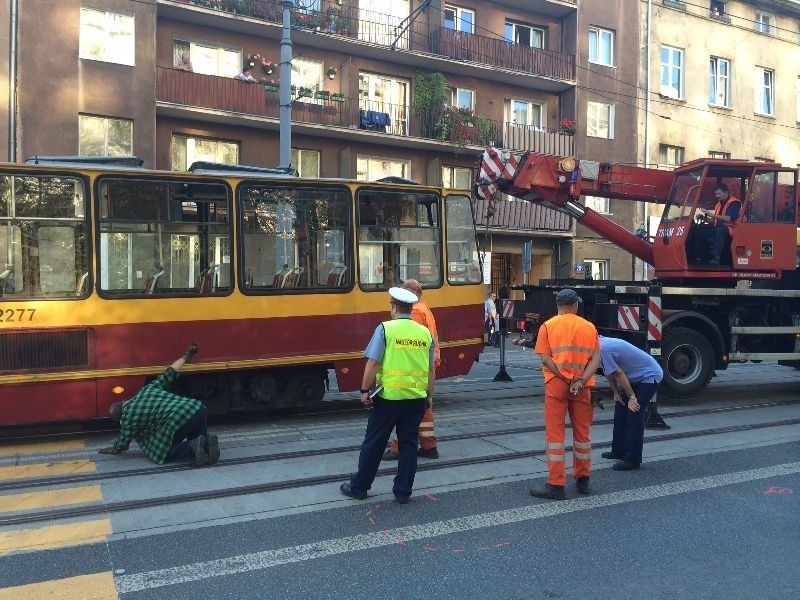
{"points": [[322, 94], [337, 97], [305, 92], [567, 126]]}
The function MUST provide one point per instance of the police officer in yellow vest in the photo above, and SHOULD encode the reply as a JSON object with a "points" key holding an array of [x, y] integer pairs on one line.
{"points": [[400, 365]]}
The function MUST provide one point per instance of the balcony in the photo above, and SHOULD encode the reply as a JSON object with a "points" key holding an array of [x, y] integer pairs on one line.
{"points": [[453, 127]]}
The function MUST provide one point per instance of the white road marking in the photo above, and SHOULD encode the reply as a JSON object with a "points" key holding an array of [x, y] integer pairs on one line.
{"points": [[270, 558]]}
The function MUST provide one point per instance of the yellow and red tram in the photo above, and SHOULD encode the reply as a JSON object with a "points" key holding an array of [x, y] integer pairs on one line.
{"points": [[110, 270]]}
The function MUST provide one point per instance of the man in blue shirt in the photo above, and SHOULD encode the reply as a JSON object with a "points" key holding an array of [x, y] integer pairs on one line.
{"points": [[634, 377]]}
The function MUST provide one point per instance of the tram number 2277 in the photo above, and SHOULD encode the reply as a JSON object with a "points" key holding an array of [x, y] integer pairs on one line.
{"points": [[16, 315]]}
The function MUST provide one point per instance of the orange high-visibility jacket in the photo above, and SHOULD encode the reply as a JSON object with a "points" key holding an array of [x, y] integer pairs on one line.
{"points": [[570, 340], [722, 210], [423, 315]]}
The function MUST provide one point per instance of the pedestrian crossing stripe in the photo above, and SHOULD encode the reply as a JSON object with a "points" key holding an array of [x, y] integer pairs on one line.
{"points": [[42, 448], [67, 467], [54, 536], [99, 586], [34, 500]]}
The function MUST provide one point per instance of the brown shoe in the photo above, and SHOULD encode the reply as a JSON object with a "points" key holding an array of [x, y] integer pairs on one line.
{"points": [[549, 492]]}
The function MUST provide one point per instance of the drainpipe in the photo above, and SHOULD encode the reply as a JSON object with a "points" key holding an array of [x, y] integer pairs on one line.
{"points": [[12, 83]]}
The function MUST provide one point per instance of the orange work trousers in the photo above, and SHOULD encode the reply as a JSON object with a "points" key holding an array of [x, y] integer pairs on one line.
{"points": [[427, 437], [557, 403]]}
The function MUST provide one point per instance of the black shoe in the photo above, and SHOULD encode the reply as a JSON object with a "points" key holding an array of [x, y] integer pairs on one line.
{"points": [[389, 455], [625, 465], [611, 456], [213, 449], [348, 491], [198, 449], [582, 485], [550, 492], [402, 498], [432, 453]]}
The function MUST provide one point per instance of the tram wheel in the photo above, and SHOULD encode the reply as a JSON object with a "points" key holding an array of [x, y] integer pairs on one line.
{"points": [[305, 388]]}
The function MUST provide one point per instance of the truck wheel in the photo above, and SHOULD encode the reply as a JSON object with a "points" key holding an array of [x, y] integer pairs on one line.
{"points": [[688, 362]]}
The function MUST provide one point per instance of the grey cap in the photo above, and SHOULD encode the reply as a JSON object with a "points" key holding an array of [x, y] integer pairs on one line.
{"points": [[567, 296]]}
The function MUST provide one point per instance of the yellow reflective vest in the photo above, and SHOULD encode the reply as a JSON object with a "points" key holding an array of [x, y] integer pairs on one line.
{"points": [[404, 370]]}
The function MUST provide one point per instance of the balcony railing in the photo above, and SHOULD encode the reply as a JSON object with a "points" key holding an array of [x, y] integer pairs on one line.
{"points": [[458, 127], [392, 31]]}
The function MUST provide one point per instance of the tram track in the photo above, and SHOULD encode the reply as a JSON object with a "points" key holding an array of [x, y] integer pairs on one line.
{"points": [[128, 505]]}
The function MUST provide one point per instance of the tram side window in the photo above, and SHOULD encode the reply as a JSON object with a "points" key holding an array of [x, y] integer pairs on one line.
{"points": [[295, 238], [43, 236], [462, 247], [399, 237], [164, 238]]}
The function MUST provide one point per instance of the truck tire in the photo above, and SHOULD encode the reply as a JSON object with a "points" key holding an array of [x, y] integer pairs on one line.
{"points": [[688, 362]]}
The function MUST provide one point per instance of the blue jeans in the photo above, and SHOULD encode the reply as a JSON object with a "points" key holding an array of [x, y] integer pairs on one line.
{"points": [[197, 425], [629, 426], [386, 415]]}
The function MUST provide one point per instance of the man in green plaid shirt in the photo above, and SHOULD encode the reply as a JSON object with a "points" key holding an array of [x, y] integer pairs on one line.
{"points": [[166, 426]]}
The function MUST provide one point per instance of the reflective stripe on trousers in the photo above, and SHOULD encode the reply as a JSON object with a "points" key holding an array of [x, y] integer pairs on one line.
{"points": [[557, 403]]}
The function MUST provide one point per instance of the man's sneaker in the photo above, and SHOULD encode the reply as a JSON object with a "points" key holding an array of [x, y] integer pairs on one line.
{"points": [[389, 455], [213, 449], [582, 485], [611, 456], [625, 465], [549, 492], [430, 453], [348, 491], [402, 498], [198, 449]]}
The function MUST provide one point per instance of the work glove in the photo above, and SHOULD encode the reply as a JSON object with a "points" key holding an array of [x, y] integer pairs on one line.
{"points": [[190, 352]]}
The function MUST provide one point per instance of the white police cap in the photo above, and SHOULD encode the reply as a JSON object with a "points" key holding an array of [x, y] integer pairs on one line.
{"points": [[402, 295]]}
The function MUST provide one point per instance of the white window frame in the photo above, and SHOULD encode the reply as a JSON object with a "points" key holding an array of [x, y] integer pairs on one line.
{"points": [[598, 204], [512, 36], [719, 154], [669, 68], [100, 36], [531, 109], [600, 268], [600, 39], [209, 59], [452, 175], [594, 120], [191, 156], [298, 156], [719, 81], [378, 167], [765, 23], [457, 94], [764, 92], [461, 24], [106, 121], [678, 153]]}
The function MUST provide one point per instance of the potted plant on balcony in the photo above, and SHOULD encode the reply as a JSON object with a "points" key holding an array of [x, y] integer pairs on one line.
{"points": [[338, 97], [272, 85], [430, 98], [268, 66], [567, 126], [305, 92], [252, 59], [322, 95]]}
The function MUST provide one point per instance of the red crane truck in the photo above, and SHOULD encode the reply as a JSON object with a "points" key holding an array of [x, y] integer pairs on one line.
{"points": [[695, 316]]}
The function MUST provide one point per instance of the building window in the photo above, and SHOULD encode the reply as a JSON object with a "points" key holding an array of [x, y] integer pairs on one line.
{"points": [[764, 159], [371, 168], [670, 155], [597, 204], [765, 91], [104, 136], [671, 72], [764, 23], [306, 162], [107, 36], [208, 59], [601, 46], [521, 112], [594, 268], [457, 178], [719, 82], [461, 98], [459, 19], [186, 150], [600, 120], [307, 74], [524, 35], [718, 11], [385, 95], [797, 94], [720, 155]]}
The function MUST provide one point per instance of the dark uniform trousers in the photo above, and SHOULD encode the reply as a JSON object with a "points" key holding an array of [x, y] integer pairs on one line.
{"points": [[629, 426], [196, 426], [386, 415]]}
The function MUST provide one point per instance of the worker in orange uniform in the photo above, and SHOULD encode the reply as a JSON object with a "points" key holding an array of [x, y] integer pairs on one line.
{"points": [[723, 220], [570, 351], [427, 437]]}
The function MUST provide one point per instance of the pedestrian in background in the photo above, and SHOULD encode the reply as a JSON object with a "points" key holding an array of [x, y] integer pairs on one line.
{"points": [[570, 351], [166, 426], [634, 377], [400, 362], [491, 320], [427, 436]]}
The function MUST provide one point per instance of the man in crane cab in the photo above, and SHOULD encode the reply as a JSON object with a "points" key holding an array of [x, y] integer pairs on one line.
{"points": [[723, 220]]}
